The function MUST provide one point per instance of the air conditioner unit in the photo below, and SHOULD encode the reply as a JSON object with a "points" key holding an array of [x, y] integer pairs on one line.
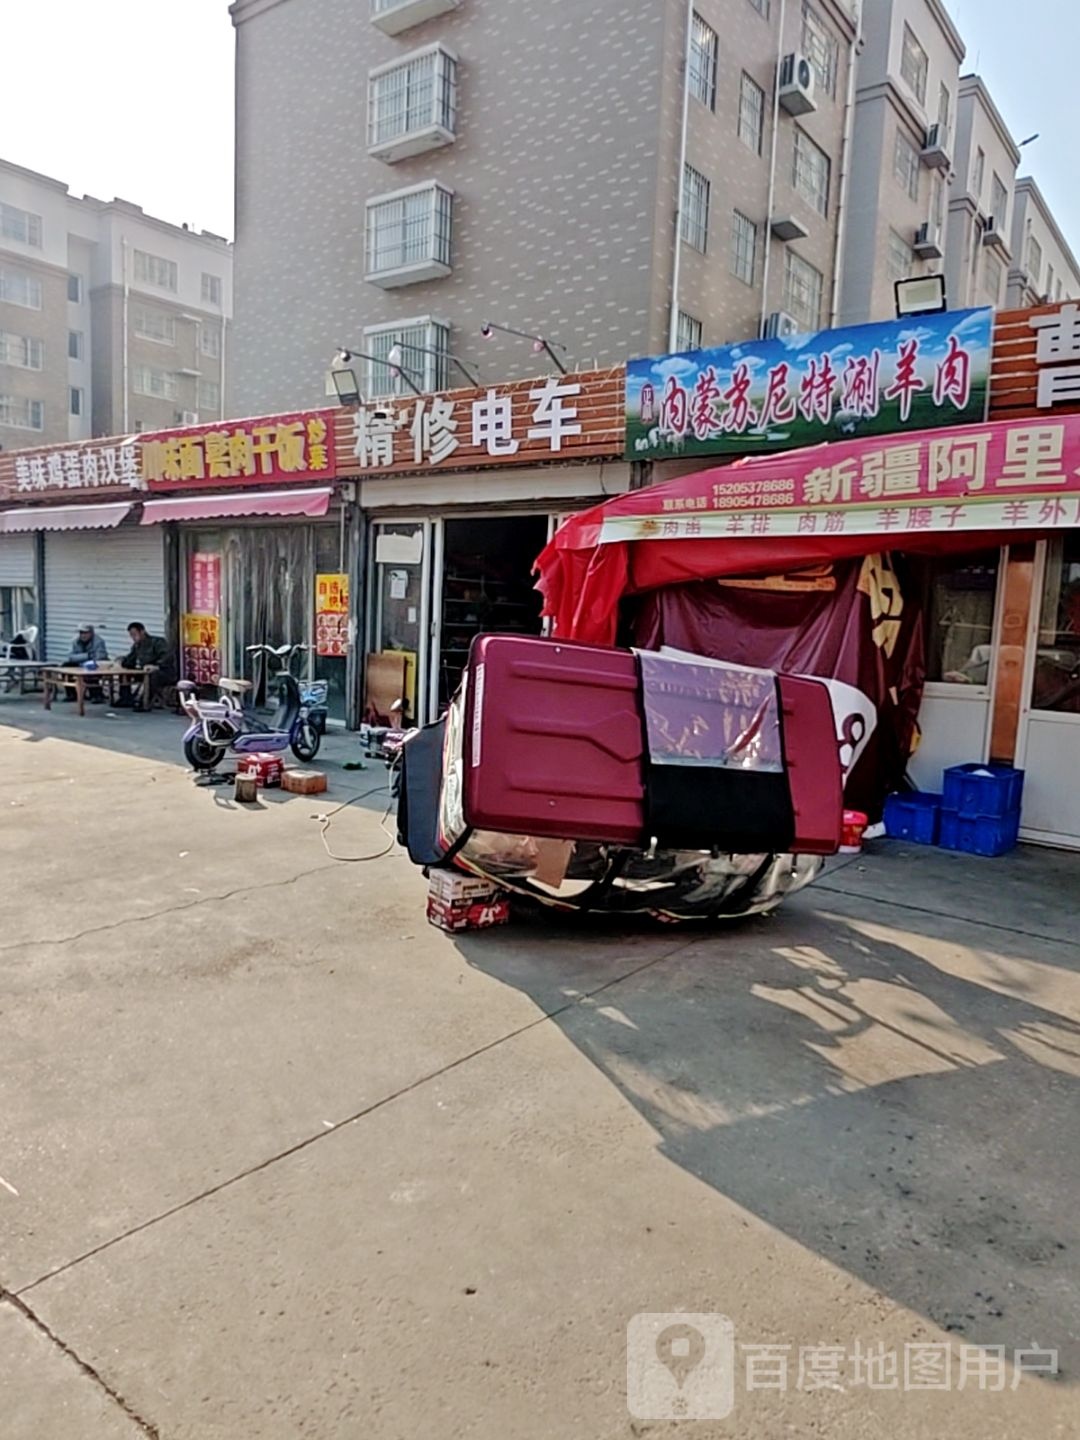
{"points": [[780, 325], [187, 417], [788, 227], [935, 151], [797, 84], [991, 234], [928, 241]]}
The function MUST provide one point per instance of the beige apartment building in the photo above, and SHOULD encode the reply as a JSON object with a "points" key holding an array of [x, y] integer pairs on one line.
{"points": [[530, 164], [978, 246], [111, 321], [1043, 267]]}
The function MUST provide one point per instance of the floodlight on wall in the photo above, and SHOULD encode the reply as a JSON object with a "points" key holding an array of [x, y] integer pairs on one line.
{"points": [[539, 344], [396, 356], [343, 365], [920, 295]]}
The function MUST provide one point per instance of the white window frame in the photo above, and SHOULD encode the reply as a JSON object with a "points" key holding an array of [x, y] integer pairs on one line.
{"points": [[76, 400], [22, 352], [744, 247], [144, 378], [140, 316], [10, 404], [978, 175], [704, 61], [22, 226], [895, 245], [821, 47], [751, 121], [210, 341], [208, 393], [811, 171], [688, 333], [80, 345], [432, 369], [426, 260], [811, 281], [1034, 264], [914, 64], [999, 203], [906, 176], [212, 289], [156, 270], [29, 284], [696, 195], [992, 266], [439, 118], [77, 279]]}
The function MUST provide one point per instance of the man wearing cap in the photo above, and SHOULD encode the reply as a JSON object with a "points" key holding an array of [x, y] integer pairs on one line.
{"points": [[88, 645]]}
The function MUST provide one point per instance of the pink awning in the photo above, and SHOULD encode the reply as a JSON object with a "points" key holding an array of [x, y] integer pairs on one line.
{"points": [[244, 502], [63, 517]]}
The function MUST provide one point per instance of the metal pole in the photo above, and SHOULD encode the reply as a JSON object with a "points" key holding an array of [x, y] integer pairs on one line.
{"points": [[772, 173], [845, 167], [673, 319]]}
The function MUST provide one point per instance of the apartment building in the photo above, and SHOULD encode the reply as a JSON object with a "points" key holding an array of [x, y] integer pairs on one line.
{"points": [[1043, 266], [110, 320], [529, 164], [978, 250], [904, 137]]}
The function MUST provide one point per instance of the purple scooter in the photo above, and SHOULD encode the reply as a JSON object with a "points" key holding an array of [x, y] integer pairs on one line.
{"points": [[219, 726]]}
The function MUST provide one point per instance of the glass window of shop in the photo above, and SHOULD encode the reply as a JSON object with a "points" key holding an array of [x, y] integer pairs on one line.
{"points": [[1056, 682], [959, 594], [395, 658]]}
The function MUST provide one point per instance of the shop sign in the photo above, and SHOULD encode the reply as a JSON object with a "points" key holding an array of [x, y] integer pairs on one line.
{"points": [[204, 582], [66, 470], [560, 418], [1057, 355], [274, 450], [799, 390], [202, 648], [1007, 475], [331, 614]]}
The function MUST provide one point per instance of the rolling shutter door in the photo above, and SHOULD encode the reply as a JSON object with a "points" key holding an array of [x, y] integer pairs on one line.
{"points": [[106, 578], [17, 560]]}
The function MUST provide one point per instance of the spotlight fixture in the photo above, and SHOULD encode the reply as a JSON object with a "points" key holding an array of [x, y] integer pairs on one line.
{"points": [[539, 344]]}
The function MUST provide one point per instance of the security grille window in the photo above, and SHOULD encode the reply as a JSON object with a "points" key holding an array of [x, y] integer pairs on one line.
{"points": [[803, 288], [810, 172], [899, 258], [688, 334], [18, 288], [695, 208], [993, 272], [211, 290], [751, 113], [159, 384], [744, 235], [914, 65], [409, 230], [24, 352], [1034, 261], [19, 413], [20, 225], [906, 164], [412, 96], [155, 270], [156, 325], [821, 48], [424, 345], [704, 55], [210, 341], [999, 203]]}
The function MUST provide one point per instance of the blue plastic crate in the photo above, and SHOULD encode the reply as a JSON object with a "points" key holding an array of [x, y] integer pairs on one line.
{"points": [[980, 834], [913, 816], [975, 795]]}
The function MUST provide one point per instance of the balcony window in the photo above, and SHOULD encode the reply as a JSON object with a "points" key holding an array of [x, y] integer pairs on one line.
{"points": [[394, 16], [425, 347], [409, 236], [412, 104]]}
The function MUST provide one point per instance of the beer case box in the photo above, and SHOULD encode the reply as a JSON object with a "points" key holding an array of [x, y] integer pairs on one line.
{"points": [[455, 916], [303, 782], [266, 767], [455, 887]]}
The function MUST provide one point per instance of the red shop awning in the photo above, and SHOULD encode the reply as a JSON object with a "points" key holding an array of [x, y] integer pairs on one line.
{"points": [[63, 517], [245, 502]]}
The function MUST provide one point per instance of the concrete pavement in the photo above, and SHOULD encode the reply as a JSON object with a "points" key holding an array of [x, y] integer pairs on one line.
{"points": [[279, 1159]]}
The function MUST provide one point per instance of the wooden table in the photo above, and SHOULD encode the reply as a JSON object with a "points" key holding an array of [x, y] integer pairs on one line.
{"points": [[62, 677], [17, 672]]}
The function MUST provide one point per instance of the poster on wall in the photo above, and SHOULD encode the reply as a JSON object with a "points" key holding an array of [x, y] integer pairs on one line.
{"points": [[204, 582], [202, 648], [806, 389], [331, 614]]}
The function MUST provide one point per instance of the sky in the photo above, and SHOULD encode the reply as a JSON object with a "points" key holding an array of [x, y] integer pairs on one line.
{"points": [[136, 97]]}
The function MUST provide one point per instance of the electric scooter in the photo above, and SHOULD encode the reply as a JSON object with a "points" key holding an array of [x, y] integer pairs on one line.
{"points": [[229, 724]]}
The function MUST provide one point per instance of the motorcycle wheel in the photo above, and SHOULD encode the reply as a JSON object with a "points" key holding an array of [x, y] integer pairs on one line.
{"points": [[201, 755], [306, 745]]}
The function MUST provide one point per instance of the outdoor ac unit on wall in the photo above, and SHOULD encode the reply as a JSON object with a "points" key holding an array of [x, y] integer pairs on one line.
{"points": [[780, 325], [928, 241], [991, 234], [187, 417], [935, 151], [797, 84]]}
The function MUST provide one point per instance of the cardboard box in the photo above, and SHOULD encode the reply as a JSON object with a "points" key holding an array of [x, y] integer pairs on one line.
{"points": [[467, 915], [303, 782], [455, 886], [266, 767]]}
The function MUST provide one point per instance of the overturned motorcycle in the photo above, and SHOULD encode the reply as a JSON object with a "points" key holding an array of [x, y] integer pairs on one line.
{"points": [[610, 780]]}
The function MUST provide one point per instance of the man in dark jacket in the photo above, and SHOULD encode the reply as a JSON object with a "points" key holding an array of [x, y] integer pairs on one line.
{"points": [[153, 653]]}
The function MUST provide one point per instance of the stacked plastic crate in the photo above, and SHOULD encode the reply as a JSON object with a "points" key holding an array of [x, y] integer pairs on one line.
{"points": [[980, 809]]}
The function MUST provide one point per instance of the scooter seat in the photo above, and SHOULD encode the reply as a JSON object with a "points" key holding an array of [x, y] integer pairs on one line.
{"points": [[234, 687]]}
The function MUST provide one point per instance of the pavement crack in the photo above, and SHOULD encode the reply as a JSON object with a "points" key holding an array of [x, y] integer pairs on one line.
{"points": [[939, 914], [146, 1426], [381, 1103]]}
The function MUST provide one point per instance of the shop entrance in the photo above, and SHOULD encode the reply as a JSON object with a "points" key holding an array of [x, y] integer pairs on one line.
{"points": [[487, 585]]}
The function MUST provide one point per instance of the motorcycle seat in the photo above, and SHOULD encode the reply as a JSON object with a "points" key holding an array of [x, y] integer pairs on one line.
{"points": [[234, 687]]}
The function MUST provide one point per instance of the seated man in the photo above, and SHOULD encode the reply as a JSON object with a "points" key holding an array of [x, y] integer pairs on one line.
{"points": [[148, 652], [87, 645]]}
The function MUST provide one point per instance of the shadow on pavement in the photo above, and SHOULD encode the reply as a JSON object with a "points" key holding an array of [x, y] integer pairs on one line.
{"points": [[895, 1089]]}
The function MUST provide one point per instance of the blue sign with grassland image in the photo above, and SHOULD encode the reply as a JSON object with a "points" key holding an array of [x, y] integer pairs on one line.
{"points": [[806, 389]]}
